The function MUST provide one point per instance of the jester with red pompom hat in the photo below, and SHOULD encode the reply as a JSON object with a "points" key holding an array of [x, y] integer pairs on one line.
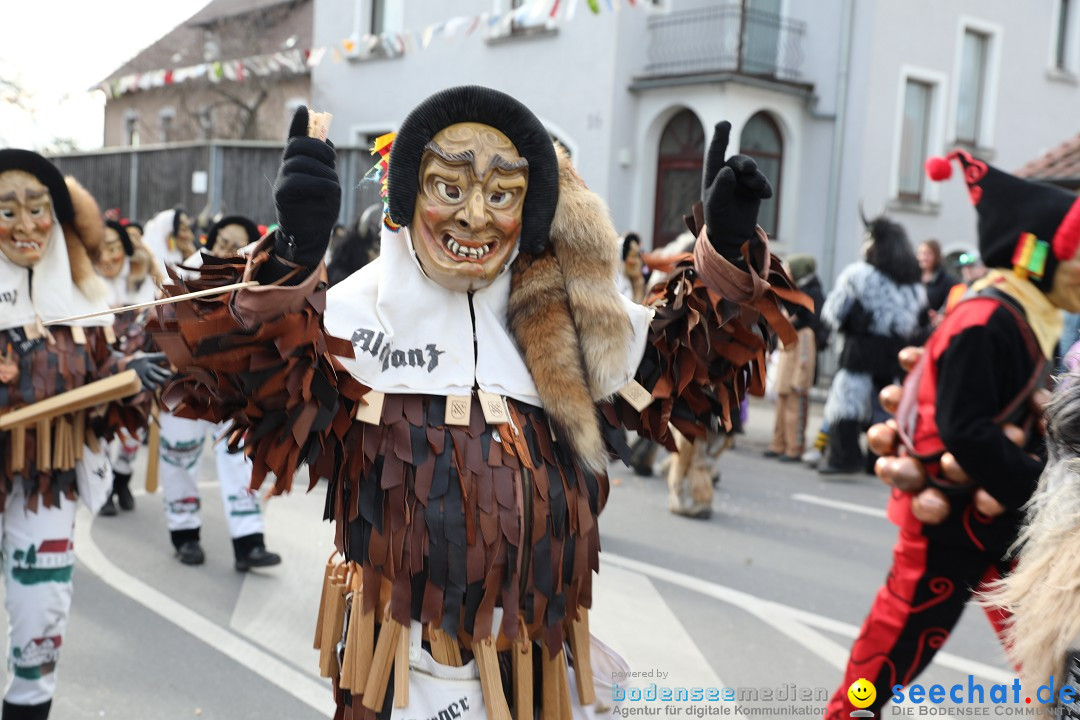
{"points": [[966, 449]]}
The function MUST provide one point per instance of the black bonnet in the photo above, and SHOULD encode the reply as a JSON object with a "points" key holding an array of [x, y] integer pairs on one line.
{"points": [[472, 103]]}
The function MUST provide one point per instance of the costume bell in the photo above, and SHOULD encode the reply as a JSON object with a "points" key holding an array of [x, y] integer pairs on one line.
{"points": [[462, 392]]}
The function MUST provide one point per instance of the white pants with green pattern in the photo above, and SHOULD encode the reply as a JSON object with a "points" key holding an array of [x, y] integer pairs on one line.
{"points": [[39, 557], [182, 443]]}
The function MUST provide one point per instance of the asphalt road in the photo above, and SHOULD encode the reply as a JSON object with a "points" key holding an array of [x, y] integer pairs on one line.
{"points": [[766, 594]]}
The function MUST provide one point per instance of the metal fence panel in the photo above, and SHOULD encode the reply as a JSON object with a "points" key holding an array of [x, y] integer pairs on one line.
{"points": [[106, 176], [246, 181], [165, 179], [240, 179]]}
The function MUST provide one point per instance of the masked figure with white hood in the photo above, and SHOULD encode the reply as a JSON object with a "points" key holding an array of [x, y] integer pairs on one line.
{"points": [[49, 231]]}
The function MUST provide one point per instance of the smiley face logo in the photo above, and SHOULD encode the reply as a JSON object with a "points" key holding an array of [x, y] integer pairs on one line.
{"points": [[861, 693]]}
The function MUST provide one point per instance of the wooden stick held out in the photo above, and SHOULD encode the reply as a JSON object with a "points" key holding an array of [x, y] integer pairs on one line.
{"points": [[318, 126], [155, 303]]}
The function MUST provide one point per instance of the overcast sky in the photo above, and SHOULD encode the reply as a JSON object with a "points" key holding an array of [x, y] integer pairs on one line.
{"points": [[56, 49]]}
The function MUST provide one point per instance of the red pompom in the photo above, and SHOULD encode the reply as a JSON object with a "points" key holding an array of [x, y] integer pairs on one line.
{"points": [[938, 168]]}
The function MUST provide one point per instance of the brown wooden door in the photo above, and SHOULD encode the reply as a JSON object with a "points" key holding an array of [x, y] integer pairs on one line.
{"points": [[678, 175]]}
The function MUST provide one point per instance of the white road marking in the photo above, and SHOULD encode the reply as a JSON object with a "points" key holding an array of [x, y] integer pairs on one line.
{"points": [[304, 688], [286, 624], [793, 622], [839, 505]]}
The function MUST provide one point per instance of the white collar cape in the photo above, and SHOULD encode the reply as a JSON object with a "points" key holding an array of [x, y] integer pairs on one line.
{"points": [[412, 335], [121, 293], [46, 290]]}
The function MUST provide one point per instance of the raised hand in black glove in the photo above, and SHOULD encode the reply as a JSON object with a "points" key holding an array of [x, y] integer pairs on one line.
{"points": [[731, 193], [307, 196], [152, 370]]}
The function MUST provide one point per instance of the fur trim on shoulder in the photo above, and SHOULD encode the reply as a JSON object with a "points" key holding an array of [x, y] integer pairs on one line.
{"points": [[540, 319], [585, 244], [84, 236], [567, 316]]}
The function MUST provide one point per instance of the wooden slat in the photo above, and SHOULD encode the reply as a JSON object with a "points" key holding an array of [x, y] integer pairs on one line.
{"points": [[44, 445], [490, 680], [556, 694], [116, 387], [523, 674], [401, 669], [153, 453], [581, 648], [444, 649], [379, 676]]}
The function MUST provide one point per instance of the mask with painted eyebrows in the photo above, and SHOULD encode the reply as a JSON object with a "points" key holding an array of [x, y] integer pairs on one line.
{"points": [[26, 217], [468, 205]]}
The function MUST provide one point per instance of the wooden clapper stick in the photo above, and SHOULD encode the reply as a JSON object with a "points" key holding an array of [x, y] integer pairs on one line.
{"points": [[72, 402]]}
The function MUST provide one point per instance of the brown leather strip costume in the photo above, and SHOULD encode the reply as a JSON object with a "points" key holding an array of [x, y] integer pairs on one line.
{"points": [[455, 520], [437, 512], [50, 365]]}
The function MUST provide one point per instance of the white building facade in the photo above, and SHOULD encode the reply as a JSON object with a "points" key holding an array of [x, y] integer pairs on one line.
{"points": [[839, 100]]}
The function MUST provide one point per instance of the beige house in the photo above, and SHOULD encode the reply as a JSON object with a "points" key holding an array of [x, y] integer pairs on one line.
{"points": [[235, 70]]}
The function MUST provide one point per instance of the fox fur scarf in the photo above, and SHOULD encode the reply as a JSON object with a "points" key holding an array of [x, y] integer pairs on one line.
{"points": [[567, 317]]}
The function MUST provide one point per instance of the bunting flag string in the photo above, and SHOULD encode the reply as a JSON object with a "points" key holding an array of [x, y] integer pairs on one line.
{"points": [[535, 13]]}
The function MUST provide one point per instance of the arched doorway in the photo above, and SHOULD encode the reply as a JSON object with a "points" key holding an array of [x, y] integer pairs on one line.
{"points": [[678, 175], [761, 140]]}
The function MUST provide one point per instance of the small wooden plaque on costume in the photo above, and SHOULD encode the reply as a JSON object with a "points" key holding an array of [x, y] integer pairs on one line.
{"points": [[110, 335], [635, 394], [78, 335], [494, 407], [372, 412], [458, 409]]}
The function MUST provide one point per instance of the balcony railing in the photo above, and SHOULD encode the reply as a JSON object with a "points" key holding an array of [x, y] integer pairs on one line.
{"points": [[730, 38]]}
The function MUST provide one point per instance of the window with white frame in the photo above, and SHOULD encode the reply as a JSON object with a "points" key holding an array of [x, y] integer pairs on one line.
{"points": [[167, 125], [131, 129], [377, 18], [914, 138], [972, 87], [1066, 36], [522, 16]]}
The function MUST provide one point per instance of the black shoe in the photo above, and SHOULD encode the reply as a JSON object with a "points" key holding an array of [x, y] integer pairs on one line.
{"points": [[790, 458], [643, 470], [770, 454], [257, 557], [833, 470], [109, 508], [191, 553], [122, 488], [26, 712]]}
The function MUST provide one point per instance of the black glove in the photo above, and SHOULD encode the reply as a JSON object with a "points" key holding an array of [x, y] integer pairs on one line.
{"points": [[731, 193], [307, 196], [152, 370]]}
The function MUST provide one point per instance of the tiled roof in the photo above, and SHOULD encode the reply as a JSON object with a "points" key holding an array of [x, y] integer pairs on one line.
{"points": [[183, 45], [1061, 164]]}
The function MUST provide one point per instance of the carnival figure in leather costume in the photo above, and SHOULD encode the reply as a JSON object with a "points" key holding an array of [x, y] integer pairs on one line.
{"points": [[461, 393], [50, 230], [132, 276], [182, 442], [967, 423]]}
